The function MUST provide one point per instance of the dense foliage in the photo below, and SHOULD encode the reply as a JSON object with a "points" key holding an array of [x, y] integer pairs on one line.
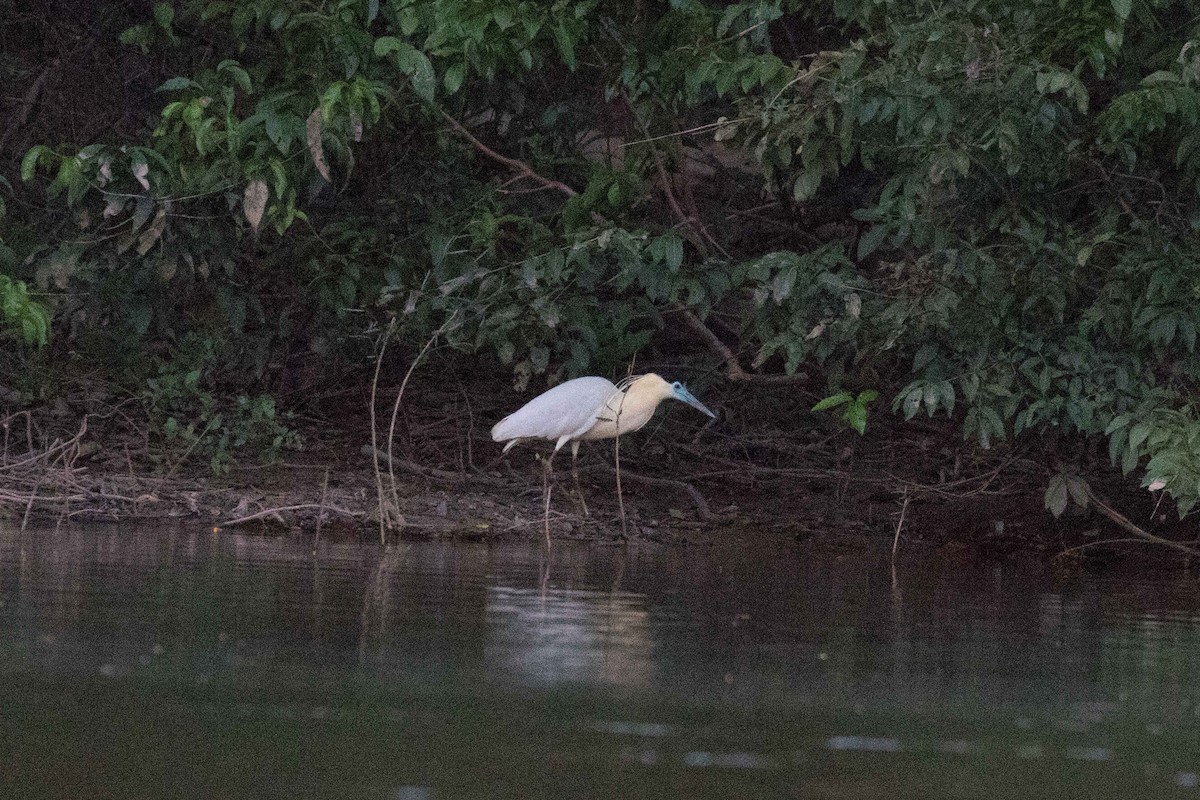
{"points": [[987, 208]]}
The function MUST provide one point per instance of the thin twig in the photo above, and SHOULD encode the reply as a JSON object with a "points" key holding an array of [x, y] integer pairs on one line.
{"points": [[519, 166], [547, 487], [708, 126], [383, 522], [29, 506], [298, 507], [396, 411], [690, 220], [900, 524], [617, 451], [321, 509], [734, 370]]}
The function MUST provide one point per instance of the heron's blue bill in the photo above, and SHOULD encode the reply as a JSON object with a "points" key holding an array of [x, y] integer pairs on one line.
{"points": [[681, 393]]}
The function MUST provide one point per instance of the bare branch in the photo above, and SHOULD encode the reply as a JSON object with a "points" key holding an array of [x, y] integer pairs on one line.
{"points": [[734, 369], [520, 166]]}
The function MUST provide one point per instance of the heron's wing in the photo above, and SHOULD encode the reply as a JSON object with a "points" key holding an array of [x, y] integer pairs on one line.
{"points": [[568, 409]]}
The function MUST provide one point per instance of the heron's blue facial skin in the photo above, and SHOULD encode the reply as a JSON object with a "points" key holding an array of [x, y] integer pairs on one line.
{"points": [[680, 392]]}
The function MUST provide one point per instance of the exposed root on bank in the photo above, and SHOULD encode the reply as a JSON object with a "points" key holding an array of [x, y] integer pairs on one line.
{"points": [[1126, 524]]}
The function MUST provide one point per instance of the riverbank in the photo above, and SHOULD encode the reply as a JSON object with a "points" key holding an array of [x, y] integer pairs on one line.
{"points": [[786, 475]]}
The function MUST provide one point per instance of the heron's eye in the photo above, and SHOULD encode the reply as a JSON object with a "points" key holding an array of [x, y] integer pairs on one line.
{"points": [[676, 385]]}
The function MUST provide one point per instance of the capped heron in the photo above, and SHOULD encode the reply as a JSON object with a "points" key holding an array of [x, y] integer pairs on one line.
{"points": [[589, 408]]}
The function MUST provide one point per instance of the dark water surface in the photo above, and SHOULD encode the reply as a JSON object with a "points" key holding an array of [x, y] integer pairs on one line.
{"points": [[141, 663]]}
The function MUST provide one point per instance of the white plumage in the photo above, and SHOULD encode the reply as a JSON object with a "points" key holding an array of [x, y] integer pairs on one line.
{"points": [[590, 408], [561, 414]]}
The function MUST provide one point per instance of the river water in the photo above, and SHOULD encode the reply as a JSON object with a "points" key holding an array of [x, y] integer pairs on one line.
{"points": [[150, 663]]}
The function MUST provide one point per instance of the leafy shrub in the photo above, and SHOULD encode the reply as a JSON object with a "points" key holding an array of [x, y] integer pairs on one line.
{"points": [[987, 207]]}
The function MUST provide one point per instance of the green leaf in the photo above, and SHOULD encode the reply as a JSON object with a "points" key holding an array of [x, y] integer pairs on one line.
{"points": [[1122, 8], [164, 15], [177, 83], [1077, 487], [912, 402], [672, 251], [412, 62], [1138, 434], [1057, 495], [1162, 332], [856, 418], [833, 401], [565, 44], [453, 77], [138, 34], [30, 161], [388, 44], [1129, 460], [807, 184], [869, 241], [239, 74]]}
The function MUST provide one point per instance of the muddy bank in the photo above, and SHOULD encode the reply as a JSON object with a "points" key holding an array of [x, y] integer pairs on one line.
{"points": [[790, 477]]}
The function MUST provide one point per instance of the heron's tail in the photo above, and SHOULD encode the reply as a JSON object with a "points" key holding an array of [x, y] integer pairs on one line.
{"points": [[501, 431]]}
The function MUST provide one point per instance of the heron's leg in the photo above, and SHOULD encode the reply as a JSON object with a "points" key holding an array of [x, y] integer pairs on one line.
{"points": [[575, 476], [547, 486]]}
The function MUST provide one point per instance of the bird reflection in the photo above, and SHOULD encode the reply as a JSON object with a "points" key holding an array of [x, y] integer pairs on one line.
{"points": [[566, 636]]}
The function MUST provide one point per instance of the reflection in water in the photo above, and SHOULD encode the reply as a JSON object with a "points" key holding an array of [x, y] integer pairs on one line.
{"points": [[230, 666], [565, 636]]}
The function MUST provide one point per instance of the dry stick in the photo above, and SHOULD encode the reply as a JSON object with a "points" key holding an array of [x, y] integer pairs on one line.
{"points": [[29, 506], [374, 437], [617, 470], [617, 454], [1127, 524], [55, 449], [396, 411], [900, 525], [519, 166], [321, 509], [298, 507], [547, 486], [191, 447]]}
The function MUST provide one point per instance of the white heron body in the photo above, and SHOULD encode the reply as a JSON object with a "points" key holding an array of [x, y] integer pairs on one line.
{"points": [[566, 412], [589, 408]]}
